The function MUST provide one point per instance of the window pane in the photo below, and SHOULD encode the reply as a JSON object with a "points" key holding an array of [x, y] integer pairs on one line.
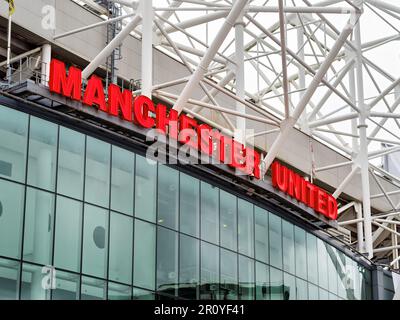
{"points": [[67, 286], [167, 261], [246, 278], [93, 289], [323, 294], [39, 219], [31, 286], [209, 271], [67, 246], [246, 227], [289, 289], [261, 234], [301, 289], [140, 294], [13, 140], [229, 275], [275, 240], [332, 273], [9, 274], [312, 292], [288, 247], [97, 179], [122, 177], [228, 222], [42, 154], [312, 261], [189, 267], [276, 278], [322, 264], [263, 285], [168, 196], [121, 240], [95, 238], [190, 205], [301, 253], [209, 213], [145, 189], [71, 162], [119, 292], [341, 274], [144, 255], [11, 213]]}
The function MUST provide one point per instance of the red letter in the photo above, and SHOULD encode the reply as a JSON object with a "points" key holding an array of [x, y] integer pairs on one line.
{"points": [[332, 208], [238, 156], [311, 195], [294, 185], [205, 140], [253, 160], [59, 83], [118, 101], [94, 94], [279, 176], [141, 107], [188, 132], [162, 120], [321, 202]]}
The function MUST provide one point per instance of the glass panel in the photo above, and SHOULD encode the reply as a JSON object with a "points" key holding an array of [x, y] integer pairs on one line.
{"points": [[312, 292], [262, 282], [229, 275], [168, 197], [228, 207], [276, 279], [95, 238], [332, 273], [9, 274], [11, 213], [32, 278], [119, 292], [323, 294], [301, 289], [209, 271], [246, 227], [140, 294], [190, 205], [275, 240], [289, 288], [13, 140], [209, 213], [189, 267], [301, 252], [341, 274], [144, 255], [39, 219], [93, 289], [122, 178], [322, 264], [71, 163], [167, 261], [42, 154], [261, 234], [312, 258], [288, 247], [67, 246], [246, 278], [121, 241], [97, 181], [145, 189], [67, 286]]}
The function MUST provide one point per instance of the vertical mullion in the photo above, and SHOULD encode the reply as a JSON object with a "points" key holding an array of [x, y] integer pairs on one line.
{"points": [[109, 222]]}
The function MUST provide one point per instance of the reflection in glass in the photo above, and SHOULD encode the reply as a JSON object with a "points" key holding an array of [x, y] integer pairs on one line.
{"points": [[39, 219], [189, 267], [209, 213], [229, 275], [145, 189], [246, 227], [95, 240], [122, 178], [322, 264], [97, 181], [144, 255], [167, 260], [71, 163], [12, 206], [288, 247], [301, 289], [67, 246], [9, 274], [119, 292], [263, 285], [189, 205], [140, 294], [275, 240], [228, 207], [209, 271], [312, 258], [42, 154], [67, 286], [332, 262], [13, 144], [261, 234], [301, 253], [246, 278], [31, 283], [168, 197], [312, 292], [121, 241], [289, 289], [93, 289], [276, 279]]}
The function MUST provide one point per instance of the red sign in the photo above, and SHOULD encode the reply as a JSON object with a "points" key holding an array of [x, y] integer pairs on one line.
{"points": [[142, 111]]}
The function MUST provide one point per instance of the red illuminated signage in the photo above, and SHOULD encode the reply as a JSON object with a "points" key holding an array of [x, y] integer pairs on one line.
{"points": [[142, 112]]}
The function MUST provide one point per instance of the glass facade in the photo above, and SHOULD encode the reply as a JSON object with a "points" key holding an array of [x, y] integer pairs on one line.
{"points": [[83, 219]]}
